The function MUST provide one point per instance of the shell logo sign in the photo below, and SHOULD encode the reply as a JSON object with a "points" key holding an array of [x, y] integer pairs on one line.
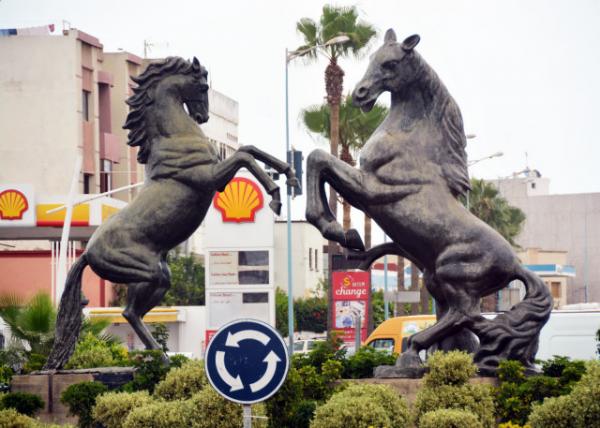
{"points": [[13, 205], [240, 201]]}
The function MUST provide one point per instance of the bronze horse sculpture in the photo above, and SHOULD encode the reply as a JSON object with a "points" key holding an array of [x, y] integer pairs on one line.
{"points": [[412, 171], [183, 172]]}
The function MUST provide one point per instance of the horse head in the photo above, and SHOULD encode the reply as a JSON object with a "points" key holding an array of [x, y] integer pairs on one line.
{"points": [[174, 80], [392, 67]]}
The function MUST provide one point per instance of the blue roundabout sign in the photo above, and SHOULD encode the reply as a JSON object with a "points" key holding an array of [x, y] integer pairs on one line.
{"points": [[246, 361]]}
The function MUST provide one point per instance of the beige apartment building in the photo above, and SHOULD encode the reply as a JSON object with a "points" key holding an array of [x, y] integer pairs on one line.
{"points": [[61, 97]]}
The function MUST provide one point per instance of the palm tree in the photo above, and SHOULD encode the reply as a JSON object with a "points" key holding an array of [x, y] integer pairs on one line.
{"points": [[355, 129], [335, 21], [486, 203]]}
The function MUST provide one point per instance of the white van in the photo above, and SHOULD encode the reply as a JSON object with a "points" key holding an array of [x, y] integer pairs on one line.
{"points": [[571, 334]]}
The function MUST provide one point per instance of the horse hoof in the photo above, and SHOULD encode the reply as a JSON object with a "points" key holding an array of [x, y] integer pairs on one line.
{"points": [[275, 206], [334, 232], [409, 360], [293, 182], [353, 240]]}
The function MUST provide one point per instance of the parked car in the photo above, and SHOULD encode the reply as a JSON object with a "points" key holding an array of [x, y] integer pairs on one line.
{"points": [[304, 346]]}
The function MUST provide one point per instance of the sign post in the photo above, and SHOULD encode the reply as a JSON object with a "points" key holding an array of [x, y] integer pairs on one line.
{"points": [[350, 292], [246, 362]]}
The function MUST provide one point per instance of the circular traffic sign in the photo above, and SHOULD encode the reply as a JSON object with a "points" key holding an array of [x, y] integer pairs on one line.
{"points": [[246, 361]]}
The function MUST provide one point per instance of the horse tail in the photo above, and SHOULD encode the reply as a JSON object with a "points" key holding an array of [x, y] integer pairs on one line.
{"points": [[69, 318], [514, 335]]}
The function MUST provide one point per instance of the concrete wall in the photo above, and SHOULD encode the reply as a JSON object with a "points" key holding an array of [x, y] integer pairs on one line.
{"points": [[305, 273], [40, 116], [568, 223]]}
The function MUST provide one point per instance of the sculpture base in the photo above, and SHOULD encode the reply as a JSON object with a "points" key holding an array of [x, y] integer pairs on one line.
{"points": [[50, 385], [396, 372]]}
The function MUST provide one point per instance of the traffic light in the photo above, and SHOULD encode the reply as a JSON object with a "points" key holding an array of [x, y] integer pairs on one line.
{"points": [[295, 158]]}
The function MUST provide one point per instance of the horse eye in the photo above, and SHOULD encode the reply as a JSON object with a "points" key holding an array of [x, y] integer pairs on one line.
{"points": [[390, 65]]}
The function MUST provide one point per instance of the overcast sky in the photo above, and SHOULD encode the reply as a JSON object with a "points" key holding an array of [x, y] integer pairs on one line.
{"points": [[526, 74]]}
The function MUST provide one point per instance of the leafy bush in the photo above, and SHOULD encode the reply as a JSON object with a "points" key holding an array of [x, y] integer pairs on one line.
{"points": [[150, 370], [6, 374], [579, 409], [10, 418], [93, 352], [160, 333], [282, 407], [449, 418], [350, 412], [449, 368], [34, 362], [112, 408], [511, 425], [162, 414], [80, 399], [394, 406], [214, 411], [311, 314], [23, 402], [476, 399], [517, 393], [362, 363], [177, 361], [181, 383]]}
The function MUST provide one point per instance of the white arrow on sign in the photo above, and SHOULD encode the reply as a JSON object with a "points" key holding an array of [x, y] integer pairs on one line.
{"points": [[234, 382], [271, 359], [234, 340]]}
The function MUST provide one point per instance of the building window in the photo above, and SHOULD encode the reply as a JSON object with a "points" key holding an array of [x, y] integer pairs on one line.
{"points": [[105, 175], [533, 185], [316, 260], [310, 258], [87, 184], [85, 105]]}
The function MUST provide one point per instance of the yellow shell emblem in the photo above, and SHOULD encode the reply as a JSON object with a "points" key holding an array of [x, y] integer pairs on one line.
{"points": [[240, 200], [12, 205]]}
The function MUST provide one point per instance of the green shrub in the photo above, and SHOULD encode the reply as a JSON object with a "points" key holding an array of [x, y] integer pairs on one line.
{"points": [[181, 383], [511, 425], [209, 410], [362, 363], [10, 418], [23, 402], [112, 408], [282, 406], [93, 352], [6, 374], [350, 412], [476, 399], [553, 413], [449, 418], [303, 414], [80, 399], [517, 393], [150, 370], [579, 409], [162, 414], [449, 368], [394, 406], [34, 362], [178, 360]]}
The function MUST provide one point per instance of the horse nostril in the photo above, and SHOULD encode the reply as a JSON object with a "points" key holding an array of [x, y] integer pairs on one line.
{"points": [[361, 92]]}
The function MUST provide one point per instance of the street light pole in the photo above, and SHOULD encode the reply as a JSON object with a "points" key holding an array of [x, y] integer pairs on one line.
{"points": [[288, 57]]}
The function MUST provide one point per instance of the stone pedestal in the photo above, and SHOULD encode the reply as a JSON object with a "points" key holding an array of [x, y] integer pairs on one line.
{"points": [[408, 388], [50, 385]]}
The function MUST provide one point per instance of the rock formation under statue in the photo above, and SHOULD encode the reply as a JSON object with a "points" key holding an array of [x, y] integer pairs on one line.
{"points": [[412, 171]]}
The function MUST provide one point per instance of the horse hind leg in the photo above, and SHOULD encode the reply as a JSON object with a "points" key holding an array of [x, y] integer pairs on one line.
{"points": [[141, 298]]}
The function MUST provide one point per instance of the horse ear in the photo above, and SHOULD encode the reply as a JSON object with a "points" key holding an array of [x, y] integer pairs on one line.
{"points": [[410, 42], [196, 64], [390, 36]]}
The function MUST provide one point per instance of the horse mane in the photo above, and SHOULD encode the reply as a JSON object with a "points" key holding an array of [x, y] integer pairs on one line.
{"points": [[452, 157], [142, 98]]}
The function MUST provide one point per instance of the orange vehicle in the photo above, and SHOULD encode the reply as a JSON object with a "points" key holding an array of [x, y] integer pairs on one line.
{"points": [[392, 335]]}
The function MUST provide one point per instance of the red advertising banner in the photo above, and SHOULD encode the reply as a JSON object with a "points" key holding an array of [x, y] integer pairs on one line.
{"points": [[350, 301]]}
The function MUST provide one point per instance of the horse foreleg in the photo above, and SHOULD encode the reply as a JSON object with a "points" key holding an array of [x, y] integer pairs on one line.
{"points": [[278, 165], [224, 171], [323, 168]]}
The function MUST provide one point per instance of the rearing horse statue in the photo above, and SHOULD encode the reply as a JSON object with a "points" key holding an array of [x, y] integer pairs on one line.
{"points": [[183, 173], [412, 170]]}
